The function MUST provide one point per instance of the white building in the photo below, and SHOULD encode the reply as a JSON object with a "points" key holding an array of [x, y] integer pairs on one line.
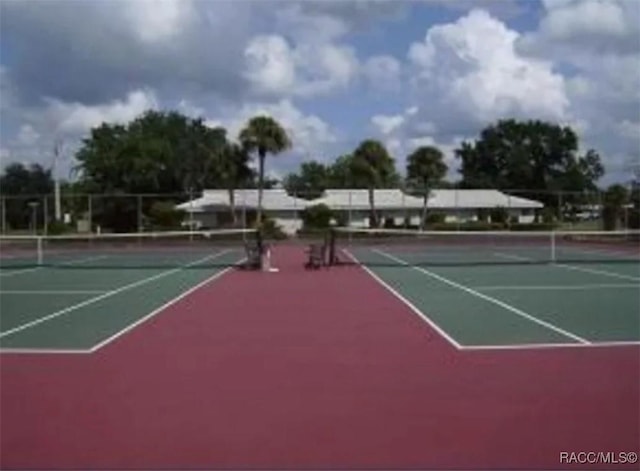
{"points": [[213, 208], [352, 205]]}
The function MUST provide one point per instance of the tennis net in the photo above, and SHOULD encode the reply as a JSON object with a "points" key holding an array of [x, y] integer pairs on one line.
{"points": [[195, 249], [411, 247]]}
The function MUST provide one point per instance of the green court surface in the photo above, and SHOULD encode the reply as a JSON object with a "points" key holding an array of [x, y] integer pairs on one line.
{"points": [[517, 305], [82, 309]]}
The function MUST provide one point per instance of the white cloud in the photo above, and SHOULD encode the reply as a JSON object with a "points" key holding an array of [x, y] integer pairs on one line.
{"points": [[270, 66], [473, 64], [28, 136], [383, 72], [158, 20], [387, 124], [276, 68], [76, 118], [570, 29]]}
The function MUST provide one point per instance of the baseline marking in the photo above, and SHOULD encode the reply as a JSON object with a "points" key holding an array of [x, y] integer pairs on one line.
{"points": [[74, 262], [408, 303], [495, 301], [51, 292], [531, 346], [42, 351], [555, 287], [107, 295]]}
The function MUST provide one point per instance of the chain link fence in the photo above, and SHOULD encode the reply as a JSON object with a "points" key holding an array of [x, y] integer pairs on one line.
{"points": [[454, 209]]}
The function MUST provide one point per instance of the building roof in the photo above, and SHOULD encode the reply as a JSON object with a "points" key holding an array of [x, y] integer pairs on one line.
{"points": [[358, 199], [438, 199], [274, 200]]}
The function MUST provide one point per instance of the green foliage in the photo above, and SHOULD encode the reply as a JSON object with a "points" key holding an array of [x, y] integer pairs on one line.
{"points": [[271, 230], [264, 135], [548, 216], [21, 185], [58, 228], [310, 182], [435, 218], [483, 215], [372, 165], [317, 217], [164, 215], [426, 168], [534, 155], [499, 215], [614, 200]]}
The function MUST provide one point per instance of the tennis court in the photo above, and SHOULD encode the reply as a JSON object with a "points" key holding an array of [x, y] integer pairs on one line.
{"points": [[77, 294], [409, 351], [501, 290]]}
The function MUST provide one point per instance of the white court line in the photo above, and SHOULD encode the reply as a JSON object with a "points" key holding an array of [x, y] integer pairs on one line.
{"points": [[554, 287], [42, 351], [50, 292], [74, 262], [495, 301], [573, 267], [408, 303], [158, 310], [597, 272], [533, 346], [107, 295]]}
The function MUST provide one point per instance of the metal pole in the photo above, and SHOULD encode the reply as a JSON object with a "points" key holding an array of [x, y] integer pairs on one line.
{"points": [[45, 215], [90, 214], [139, 205], [4, 215]]}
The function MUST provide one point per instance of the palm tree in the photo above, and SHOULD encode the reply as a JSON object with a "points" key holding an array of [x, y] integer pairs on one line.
{"points": [[263, 134], [425, 168], [233, 172], [373, 165]]}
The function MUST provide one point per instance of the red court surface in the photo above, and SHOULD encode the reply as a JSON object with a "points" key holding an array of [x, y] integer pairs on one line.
{"points": [[311, 369]]}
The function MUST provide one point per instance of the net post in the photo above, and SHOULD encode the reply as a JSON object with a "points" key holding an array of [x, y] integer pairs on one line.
{"points": [[332, 246], [40, 250]]}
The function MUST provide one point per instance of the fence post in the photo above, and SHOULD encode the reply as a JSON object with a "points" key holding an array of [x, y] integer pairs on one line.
{"points": [[45, 215], [4, 214], [139, 206], [457, 208], [90, 213]]}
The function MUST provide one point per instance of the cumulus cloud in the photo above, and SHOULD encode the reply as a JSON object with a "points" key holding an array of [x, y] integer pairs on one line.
{"points": [[383, 72], [276, 68], [77, 118], [472, 63]]}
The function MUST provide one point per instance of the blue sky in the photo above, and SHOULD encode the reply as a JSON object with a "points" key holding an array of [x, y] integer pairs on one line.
{"points": [[333, 72]]}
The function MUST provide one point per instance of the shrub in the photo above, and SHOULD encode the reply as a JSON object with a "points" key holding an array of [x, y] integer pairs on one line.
{"points": [[317, 217], [164, 215], [498, 215], [57, 228]]}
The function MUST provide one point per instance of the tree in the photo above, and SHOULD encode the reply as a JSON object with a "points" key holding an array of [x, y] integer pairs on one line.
{"points": [[264, 135], [372, 164], [614, 200], [533, 155], [425, 169], [158, 152], [232, 168], [310, 182], [20, 186]]}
